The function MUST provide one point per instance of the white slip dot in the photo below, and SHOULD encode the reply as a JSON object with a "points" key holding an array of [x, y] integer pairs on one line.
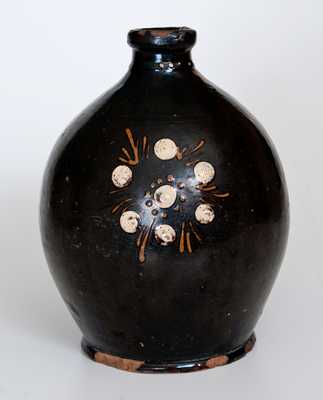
{"points": [[129, 221], [204, 214], [204, 172], [165, 234], [165, 196], [121, 176], [165, 149]]}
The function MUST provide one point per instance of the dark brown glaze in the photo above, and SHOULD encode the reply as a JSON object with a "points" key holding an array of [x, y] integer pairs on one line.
{"points": [[146, 299], [169, 367]]}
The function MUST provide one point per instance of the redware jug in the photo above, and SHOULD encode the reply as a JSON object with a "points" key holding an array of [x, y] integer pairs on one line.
{"points": [[164, 216]]}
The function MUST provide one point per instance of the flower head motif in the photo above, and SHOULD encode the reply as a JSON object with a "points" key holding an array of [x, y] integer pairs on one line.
{"points": [[148, 215]]}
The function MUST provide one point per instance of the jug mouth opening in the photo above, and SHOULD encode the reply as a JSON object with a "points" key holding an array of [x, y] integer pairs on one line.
{"points": [[162, 39]]}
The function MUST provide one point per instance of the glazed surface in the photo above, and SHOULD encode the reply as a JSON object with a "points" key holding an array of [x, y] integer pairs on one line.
{"points": [[180, 282]]}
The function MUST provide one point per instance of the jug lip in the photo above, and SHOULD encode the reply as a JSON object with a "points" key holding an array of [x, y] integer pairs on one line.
{"points": [[161, 39]]}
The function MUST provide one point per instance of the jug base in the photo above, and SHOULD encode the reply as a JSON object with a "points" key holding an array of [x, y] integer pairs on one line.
{"points": [[131, 365]]}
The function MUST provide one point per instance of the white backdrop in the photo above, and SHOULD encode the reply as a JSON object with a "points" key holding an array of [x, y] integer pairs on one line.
{"points": [[55, 58]]}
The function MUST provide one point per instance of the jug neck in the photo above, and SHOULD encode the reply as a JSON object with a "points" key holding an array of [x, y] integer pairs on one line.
{"points": [[161, 62], [162, 49]]}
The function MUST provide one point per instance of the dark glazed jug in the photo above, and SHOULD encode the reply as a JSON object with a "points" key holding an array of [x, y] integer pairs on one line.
{"points": [[164, 216]]}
